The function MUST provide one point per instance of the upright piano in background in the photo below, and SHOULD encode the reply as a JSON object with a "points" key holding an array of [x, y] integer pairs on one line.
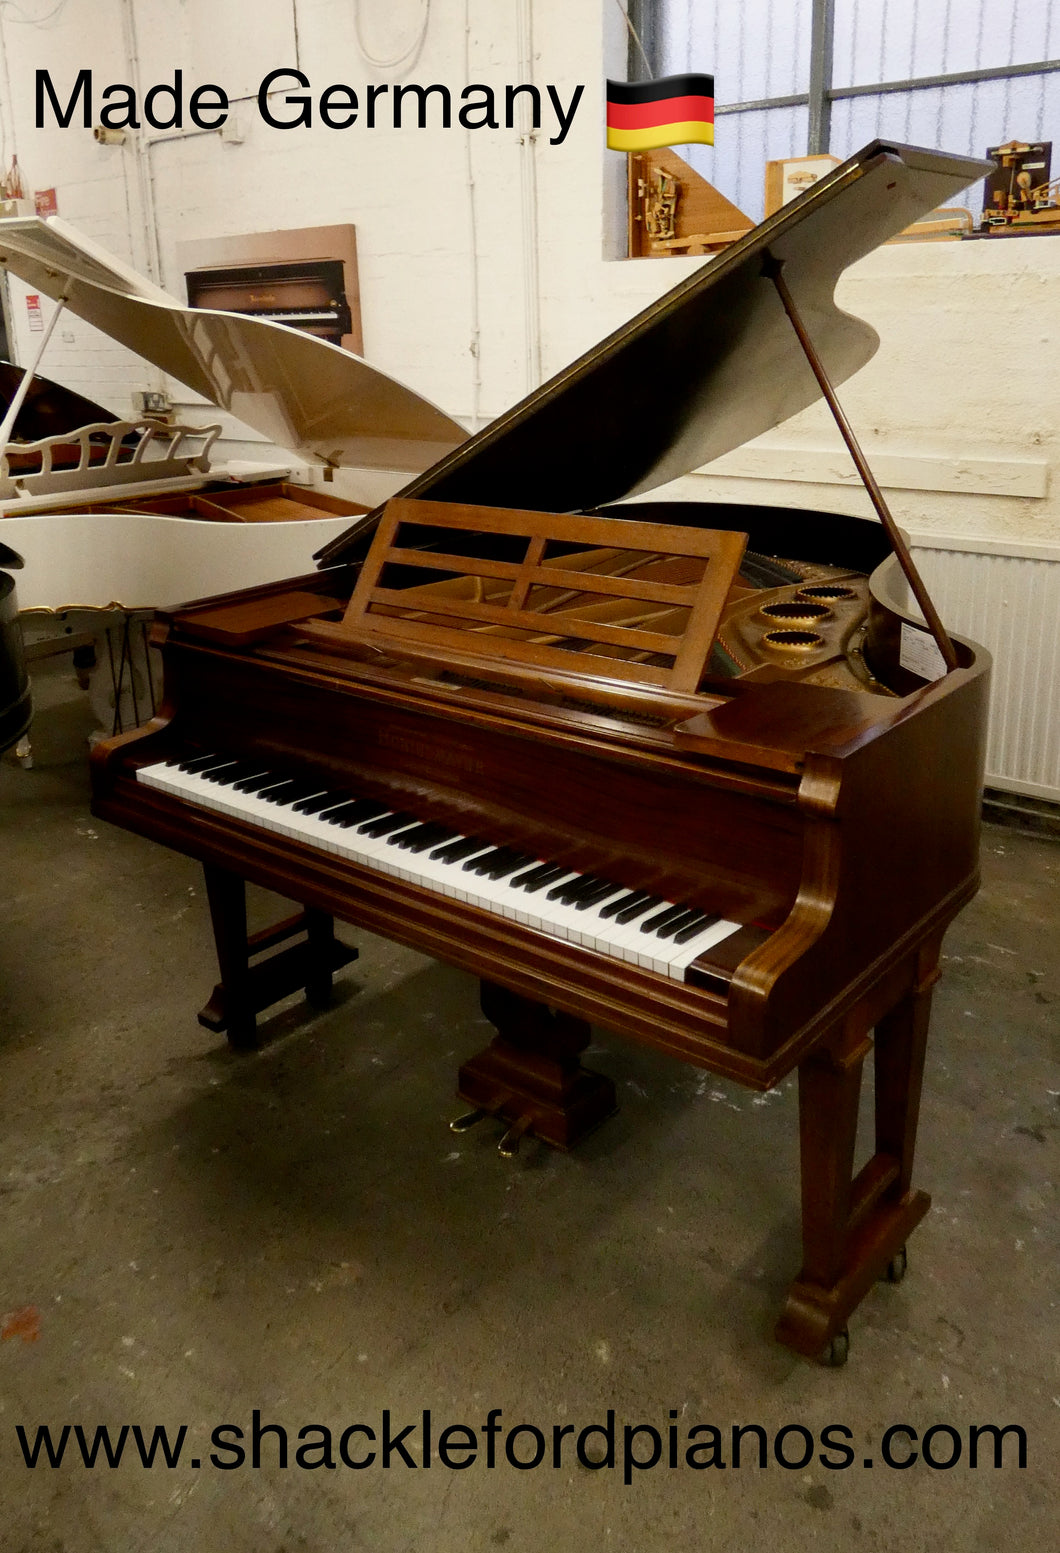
{"points": [[697, 773]]}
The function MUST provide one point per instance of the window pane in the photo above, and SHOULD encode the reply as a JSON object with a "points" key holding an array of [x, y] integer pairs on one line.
{"points": [[893, 40], [757, 48], [964, 119]]}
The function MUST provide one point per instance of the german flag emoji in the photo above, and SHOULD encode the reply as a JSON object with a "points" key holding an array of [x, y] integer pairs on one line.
{"points": [[676, 111]]}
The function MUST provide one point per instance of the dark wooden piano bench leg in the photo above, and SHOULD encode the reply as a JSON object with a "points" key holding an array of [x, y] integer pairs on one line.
{"points": [[854, 1228], [246, 987], [530, 1075]]}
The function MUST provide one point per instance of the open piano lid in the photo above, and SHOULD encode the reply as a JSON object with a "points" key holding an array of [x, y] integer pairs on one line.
{"points": [[49, 410], [711, 364], [301, 392]]}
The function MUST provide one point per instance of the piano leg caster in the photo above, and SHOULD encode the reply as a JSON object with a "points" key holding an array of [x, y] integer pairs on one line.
{"points": [[530, 1076], [898, 1266], [247, 988], [838, 1351]]}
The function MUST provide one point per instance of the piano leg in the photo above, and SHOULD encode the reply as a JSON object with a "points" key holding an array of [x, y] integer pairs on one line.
{"points": [[530, 1075], [246, 988], [854, 1227]]}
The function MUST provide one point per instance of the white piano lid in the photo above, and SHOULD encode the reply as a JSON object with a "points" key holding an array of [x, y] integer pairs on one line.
{"points": [[297, 390], [143, 560]]}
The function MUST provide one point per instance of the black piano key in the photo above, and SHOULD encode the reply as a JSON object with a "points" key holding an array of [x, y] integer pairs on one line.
{"points": [[321, 802], [483, 864], [686, 934], [289, 790], [355, 812], [225, 775], [456, 851], [631, 898], [420, 837], [346, 815], [413, 834], [559, 890], [689, 914], [255, 780], [505, 866], [593, 897], [537, 877], [386, 824], [247, 770], [200, 762], [439, 834], [278, 785], [345, 803], [631, 913], [662, 918], [568, 894]]}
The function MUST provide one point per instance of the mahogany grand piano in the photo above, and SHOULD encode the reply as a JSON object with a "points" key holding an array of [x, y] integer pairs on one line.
{"points": [[706, 775]]}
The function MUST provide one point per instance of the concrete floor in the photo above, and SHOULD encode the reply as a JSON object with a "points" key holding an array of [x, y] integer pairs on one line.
{"points": [[189, 1235]]}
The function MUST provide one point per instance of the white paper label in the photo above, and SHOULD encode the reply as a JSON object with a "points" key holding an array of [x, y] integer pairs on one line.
{"points": [[919, 653]]}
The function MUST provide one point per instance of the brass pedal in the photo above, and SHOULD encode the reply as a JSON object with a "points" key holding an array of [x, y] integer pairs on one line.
{"points": [[468, 1120], [508, 1147]]}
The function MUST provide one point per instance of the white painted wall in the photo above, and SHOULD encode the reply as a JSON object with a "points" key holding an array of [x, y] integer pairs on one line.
{"points": [[483, 265]]}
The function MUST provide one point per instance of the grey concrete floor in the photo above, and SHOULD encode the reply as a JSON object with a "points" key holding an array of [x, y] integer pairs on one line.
{"points": [[189, 1235]]}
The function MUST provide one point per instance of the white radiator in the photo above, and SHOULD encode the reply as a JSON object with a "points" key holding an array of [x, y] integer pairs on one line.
{"points": [[1007, 597]]}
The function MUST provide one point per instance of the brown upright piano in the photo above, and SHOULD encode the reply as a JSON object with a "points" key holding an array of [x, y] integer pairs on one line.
{"points": [[695, 772]]}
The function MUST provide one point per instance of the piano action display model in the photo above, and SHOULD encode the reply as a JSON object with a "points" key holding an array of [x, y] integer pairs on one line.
{"points": [[695, 772]]}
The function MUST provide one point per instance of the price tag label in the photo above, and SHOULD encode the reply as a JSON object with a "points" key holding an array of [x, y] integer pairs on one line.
{"points": [[36, 317], [919, 653]]}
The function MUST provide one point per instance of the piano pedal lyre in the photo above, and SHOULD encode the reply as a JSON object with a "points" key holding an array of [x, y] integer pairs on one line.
{"points": [[530, 1076], [514, 1131]]}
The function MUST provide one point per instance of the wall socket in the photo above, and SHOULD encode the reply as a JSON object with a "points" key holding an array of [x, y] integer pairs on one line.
{"points": [[151, 404]]}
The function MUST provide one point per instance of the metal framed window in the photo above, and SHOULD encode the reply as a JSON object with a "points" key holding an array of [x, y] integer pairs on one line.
{"points": [[804, 76]]}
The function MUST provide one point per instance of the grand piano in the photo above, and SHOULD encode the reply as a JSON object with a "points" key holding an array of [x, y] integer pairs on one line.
{"points": [[705, 775]]}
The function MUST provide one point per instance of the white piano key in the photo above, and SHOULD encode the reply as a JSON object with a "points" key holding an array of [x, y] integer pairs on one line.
{"points": [[602, 935]]}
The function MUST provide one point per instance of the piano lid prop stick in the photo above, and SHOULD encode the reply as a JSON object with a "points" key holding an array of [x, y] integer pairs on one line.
{"points": [[7, 425], [772, 269]]}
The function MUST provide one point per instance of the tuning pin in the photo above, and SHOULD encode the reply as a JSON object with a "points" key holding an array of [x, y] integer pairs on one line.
{"points": [[508, 1147], [468, 1120]]}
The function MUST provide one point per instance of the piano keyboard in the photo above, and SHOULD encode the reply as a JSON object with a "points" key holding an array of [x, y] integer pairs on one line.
{"points": [[329, 317], [587, 909]]}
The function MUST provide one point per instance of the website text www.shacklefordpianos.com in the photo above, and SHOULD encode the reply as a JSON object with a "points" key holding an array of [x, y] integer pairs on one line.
{"points": [[425, 1443]]}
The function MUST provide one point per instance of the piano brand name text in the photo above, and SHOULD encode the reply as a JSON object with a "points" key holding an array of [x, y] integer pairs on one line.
{"points": [[286, 100]]}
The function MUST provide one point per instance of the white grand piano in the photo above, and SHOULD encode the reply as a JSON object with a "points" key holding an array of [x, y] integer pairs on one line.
{"points": [[115, 517]]}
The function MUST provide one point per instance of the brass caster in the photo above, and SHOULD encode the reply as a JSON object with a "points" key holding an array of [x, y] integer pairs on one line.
{"points": [[838, 1350], [898, 1266]]}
